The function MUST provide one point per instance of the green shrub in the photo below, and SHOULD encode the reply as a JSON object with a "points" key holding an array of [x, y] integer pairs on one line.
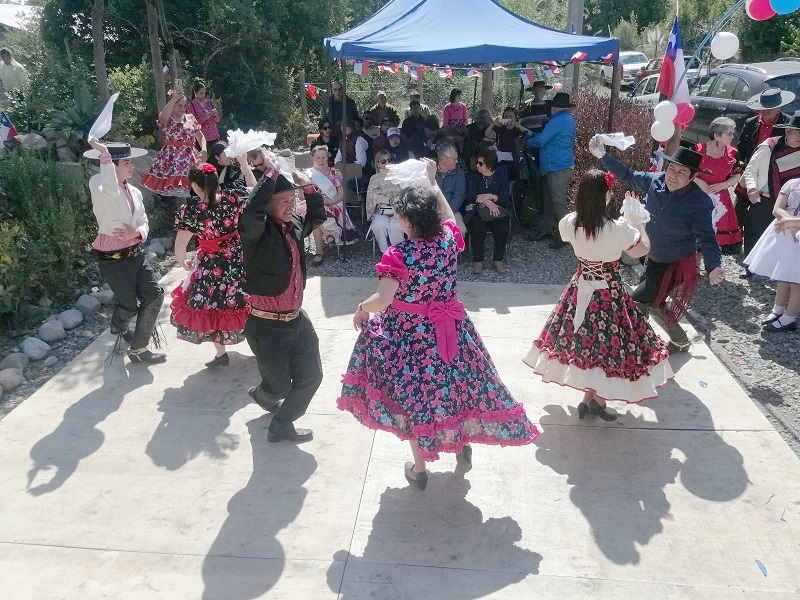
{"points": [[45, 228], [135, 111]]}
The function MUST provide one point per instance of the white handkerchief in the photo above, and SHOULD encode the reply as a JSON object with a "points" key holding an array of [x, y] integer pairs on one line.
{"points": [[103, 123], [618, 140], [240, 142], [410, 173]]}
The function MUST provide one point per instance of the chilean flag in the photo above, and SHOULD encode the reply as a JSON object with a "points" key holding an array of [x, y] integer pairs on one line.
{"points": [[388, 68], [527, 77], [445, 72], [473, 73], [671, 70], [312, 90], [416, 72], [361, 67], [553, 66], [608, 58], [7, 129], [578, 56]]}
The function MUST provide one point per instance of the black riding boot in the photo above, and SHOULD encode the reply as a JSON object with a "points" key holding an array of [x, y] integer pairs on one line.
{"points": [[678, 340], [145, 329]]}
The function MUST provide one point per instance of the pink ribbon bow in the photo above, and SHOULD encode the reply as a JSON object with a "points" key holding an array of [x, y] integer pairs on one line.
{"points": [[443, 315]]}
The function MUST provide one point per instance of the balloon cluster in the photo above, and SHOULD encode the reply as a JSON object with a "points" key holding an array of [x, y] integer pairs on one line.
{"points": [[664, 127], [761, 10]]}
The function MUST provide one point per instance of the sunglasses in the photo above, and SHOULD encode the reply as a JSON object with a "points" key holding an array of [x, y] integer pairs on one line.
{"points": [[481, 163], [324, 127], [383, 162]]}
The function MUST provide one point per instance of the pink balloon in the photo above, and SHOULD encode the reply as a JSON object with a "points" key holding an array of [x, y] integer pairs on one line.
{"points": [[685, 113], [759, 10]]}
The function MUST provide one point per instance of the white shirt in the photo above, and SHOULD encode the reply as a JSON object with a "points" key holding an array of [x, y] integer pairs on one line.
{"points": [[361, 152], [14, 76], [110, 203]]}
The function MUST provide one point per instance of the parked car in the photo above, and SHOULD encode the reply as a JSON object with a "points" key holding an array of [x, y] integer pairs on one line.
{"points": [[726, 90], [645, 91], [697, 69], [631, 63]]}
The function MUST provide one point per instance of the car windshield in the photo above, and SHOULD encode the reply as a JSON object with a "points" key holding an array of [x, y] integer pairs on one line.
{"points": [[790, 83], [634, 58]]}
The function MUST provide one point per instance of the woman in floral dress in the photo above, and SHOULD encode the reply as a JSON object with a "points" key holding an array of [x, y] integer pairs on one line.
{"points": [[210, 306], [205, 112], [419, 369], [596, 339], [169, 174], [720, 158]]}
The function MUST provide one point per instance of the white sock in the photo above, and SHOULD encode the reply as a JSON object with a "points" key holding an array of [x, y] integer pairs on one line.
{"points": [[778, 310], [783, 321]]}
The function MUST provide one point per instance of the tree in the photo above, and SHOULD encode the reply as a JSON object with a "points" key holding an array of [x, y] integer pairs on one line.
{"points": [[603, 15], [98, 48]]}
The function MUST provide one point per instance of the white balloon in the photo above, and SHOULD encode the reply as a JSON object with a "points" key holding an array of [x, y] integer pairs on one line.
{"points": [[665, 111], [724, 45], [662, 131]]}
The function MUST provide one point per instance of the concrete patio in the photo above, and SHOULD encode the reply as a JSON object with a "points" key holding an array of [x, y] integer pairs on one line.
{"points": [[127, 482]]}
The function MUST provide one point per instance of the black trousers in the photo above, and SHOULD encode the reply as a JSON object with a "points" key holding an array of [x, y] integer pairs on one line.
{"points": [[757, 218], [136, 291], [288, 362], [500, 228], [647, 290]]}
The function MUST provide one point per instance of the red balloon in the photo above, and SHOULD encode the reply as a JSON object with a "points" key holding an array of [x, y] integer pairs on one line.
{"points": [[685, 113], [759, 10]]}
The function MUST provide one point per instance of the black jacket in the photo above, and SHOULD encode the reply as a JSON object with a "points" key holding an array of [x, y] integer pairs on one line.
{"points": [[749, 138], [267, 259]]}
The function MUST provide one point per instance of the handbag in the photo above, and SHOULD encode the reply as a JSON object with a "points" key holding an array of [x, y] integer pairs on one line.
{"points": [[483, 213]]}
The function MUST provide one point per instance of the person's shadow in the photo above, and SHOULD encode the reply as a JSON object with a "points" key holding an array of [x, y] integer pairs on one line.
{"points": [[618, 472], [434, 528], [77, 436], [195, 417], [269, 502]]}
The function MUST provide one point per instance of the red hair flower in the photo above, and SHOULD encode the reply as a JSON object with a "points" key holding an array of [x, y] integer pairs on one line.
{"points": [[207, 168], [610, 180]]}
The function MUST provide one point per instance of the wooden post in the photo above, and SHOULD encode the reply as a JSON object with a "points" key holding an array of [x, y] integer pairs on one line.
{"points": [[343, 140], [301, 75], [616, 79], [486, 87], [155, 54]]}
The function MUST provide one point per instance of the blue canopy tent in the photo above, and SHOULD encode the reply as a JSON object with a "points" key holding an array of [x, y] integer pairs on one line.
{"points": [[463, 32]]}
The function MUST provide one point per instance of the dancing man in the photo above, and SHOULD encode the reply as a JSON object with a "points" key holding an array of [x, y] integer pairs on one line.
{"points": [[280, 334], [123, 228], [680, 218]]}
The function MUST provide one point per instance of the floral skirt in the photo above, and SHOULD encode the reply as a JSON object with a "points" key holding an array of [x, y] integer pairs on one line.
{"points": [[614, 350], [396, 381]]}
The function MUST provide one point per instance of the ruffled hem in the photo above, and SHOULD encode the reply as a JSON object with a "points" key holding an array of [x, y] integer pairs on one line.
{"points": [[606, 388], [205, 320], [363, 408], [159, 185], [775, 256]]}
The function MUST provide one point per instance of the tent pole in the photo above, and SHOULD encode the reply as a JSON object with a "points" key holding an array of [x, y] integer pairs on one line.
{"points": [[474, 95], [343, 141], [616, 79]]}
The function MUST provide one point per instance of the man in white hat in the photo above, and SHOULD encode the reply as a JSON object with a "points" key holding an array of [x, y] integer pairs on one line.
{"points": [[119, 248]]}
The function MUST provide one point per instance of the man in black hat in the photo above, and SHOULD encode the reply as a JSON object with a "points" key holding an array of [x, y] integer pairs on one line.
{"points": [[123, 229], [535, 112], [278, 331], [680, 217], [556, 163]]}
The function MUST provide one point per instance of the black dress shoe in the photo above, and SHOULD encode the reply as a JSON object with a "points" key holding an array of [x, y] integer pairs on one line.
{"points": [[780, 328], [583, 408], [220, 361], [747, 274], [538, 235], [146, 356], [772, 319], [268, 406], [421, 479], [465, 454], [601, 411], [288, 433]]}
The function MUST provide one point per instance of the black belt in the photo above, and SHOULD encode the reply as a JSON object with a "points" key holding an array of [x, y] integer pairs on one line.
{"points": [[121, 254]]}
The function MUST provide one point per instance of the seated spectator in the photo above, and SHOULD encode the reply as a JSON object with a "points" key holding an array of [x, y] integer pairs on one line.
{"points": [[452, 180], [480, 136], [488, 209], [381, 110], [381, 195], [228, 173], [371, 127], [256, 160], [397, 148], [355, 147], [509, 132], [326, 138], [359, 126], [413, 129], [455, 111], [337, 229], [382, 141], [423, 108], [433, 135]]}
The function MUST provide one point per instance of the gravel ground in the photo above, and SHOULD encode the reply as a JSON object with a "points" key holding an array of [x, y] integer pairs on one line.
{"points": [[728, 315]]}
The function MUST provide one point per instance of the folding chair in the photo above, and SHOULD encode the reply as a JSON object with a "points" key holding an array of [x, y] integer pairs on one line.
{"points": [[354, 172]]}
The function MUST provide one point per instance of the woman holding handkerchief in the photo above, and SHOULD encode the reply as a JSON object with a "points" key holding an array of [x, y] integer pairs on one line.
{"points": [[596, 339]]}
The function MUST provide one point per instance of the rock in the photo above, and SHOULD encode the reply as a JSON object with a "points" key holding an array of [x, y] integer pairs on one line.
{"points": [[151, 257], [34, 348], [104, 296], [52, 331], [71, 318], [87, 334], [17, 360], [167, 242], [87, 305], [286, 153], [10, 378], [49, 361], [157, 248], [45, 302], [105, 286]]}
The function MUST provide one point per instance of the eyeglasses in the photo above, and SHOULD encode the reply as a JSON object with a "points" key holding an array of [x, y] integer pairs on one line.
{"points": [[383, 162]]}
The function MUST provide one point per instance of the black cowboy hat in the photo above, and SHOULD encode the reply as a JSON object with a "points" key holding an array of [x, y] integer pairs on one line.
{"points": [[539, 83], [117, 150], [561, 100], [792, 123], [284, 184], [685, 157], [769, 99]]}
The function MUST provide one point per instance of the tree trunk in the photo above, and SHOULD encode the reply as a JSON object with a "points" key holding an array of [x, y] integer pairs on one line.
{"points": [[168, 42], [98, 49], [155, 53]]}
